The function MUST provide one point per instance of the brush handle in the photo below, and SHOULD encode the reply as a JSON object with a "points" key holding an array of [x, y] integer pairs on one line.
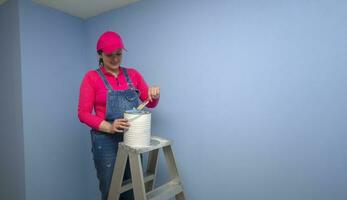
{"points": [[142, 105]]}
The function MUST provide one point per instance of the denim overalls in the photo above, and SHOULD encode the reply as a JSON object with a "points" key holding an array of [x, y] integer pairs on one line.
{"points": [[104, 145]]}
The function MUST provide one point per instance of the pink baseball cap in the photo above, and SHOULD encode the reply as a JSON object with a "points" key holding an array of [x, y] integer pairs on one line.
{"points": [[109, 42]]}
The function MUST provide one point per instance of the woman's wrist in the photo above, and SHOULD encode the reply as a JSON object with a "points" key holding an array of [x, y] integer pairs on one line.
{"points": [[105, 126]]}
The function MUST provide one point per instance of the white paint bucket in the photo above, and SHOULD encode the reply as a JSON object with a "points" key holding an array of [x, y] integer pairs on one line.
{"points": [[139, 132]]}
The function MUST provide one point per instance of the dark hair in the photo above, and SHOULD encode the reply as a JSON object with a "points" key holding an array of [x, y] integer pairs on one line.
{"points": [[101, 62]]}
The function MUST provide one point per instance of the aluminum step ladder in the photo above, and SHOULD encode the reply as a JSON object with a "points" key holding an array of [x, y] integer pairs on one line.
{"points": [[141, 182]]}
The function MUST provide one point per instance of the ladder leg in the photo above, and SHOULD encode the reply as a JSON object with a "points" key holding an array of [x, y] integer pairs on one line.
{"points": [[180, 196], [171, 163], [118, 173], [137, 176], [152, 168]]}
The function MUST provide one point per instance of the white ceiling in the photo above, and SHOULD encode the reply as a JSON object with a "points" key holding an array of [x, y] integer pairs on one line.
{"points": [[2, 1], [84, 8]]}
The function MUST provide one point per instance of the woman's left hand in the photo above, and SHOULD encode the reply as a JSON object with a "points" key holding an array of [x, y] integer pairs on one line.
{"points": [[153, 93]]}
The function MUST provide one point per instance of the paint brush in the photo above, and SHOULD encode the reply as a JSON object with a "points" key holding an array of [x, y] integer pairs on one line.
{"points": [[142, 105]]}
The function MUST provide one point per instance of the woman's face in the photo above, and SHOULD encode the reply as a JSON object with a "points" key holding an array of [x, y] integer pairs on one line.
{"points": [[112, 61]]}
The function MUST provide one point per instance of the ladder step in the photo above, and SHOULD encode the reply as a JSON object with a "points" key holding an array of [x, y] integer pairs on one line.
{"points": [[166, 191], [128, 185]]}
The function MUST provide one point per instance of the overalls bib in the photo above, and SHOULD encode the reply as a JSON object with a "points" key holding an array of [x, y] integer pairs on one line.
{"points": [[104, 145]]}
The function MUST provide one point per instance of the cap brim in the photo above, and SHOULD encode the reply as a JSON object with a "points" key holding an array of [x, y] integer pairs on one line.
{"points": [[110, 50]]}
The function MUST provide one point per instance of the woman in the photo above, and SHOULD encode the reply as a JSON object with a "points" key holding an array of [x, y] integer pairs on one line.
{"points": [[110, 90]]}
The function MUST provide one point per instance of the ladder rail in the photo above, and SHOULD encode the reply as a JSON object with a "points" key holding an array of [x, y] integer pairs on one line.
{"points": [[137, 176], [152, 168], [118, 174], [172, 166]]}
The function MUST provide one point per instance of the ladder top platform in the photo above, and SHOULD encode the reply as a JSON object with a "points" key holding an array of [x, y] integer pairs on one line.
{"points": [[156, 143]]}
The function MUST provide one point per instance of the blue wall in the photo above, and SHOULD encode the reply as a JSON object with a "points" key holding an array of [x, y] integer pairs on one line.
{"points": [[253, 92], [57, 146], [253, 96], [11, 143]]}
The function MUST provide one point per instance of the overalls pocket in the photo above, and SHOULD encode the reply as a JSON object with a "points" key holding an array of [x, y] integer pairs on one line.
{"points": [[132, 95]]}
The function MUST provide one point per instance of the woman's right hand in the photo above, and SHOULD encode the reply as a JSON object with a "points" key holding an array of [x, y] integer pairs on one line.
{"points": [[119, 125]]}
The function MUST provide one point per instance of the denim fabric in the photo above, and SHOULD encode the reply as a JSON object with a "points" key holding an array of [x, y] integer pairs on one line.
{"points": [[104, 145], [104, 148]]}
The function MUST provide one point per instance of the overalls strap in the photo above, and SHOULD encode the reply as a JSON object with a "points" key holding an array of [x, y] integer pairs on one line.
{"points": [[130, 84], [102, 75]]}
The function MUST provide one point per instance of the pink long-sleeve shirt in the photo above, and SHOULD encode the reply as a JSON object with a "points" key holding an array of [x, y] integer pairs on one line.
{"points": [[93, 94]]}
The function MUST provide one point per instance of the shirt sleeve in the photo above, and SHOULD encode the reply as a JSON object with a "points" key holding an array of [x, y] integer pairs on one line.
{"points": [[143, 89], [86, 103]]}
